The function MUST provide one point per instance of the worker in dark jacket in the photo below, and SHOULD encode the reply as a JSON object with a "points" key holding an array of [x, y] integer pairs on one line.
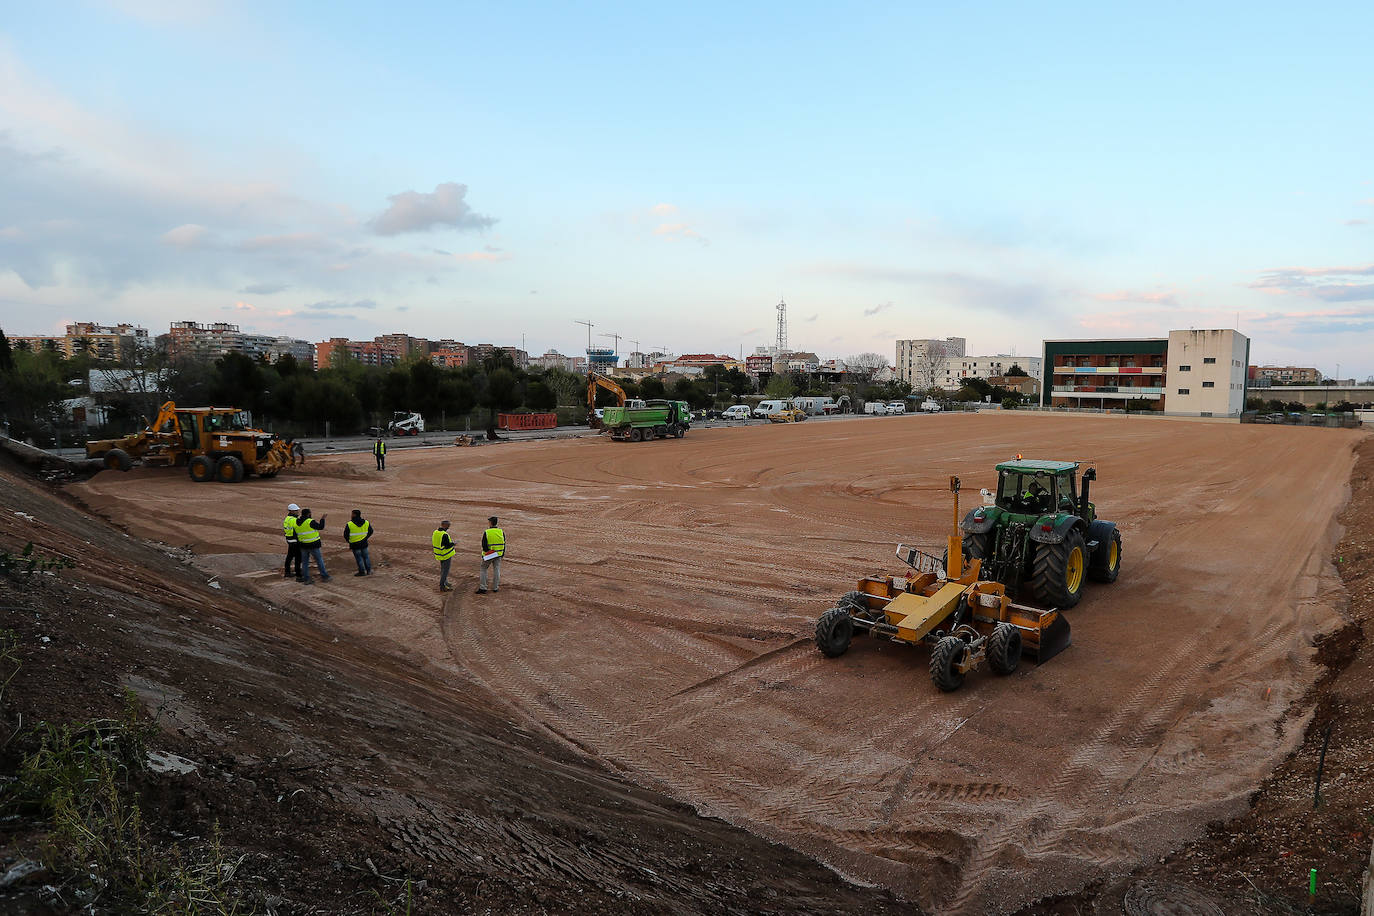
{"points": [[308, 534], [359, 531], [379, 452], [443, 552]]}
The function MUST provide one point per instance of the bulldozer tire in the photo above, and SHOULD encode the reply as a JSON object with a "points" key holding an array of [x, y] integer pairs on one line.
{"points": [[1059, 571], [1106, 564], [1004, 649], [834, 631], [201, 468], [947, 653], [229, 469], [116, 459]]}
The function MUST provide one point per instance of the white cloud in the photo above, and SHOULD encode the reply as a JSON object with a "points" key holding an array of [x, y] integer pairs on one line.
{"points": [[413, 211]]}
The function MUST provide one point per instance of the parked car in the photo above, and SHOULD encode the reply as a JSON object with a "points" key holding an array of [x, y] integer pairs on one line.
{"points": [[787, 415], [929, 405], [896, 407], [736, 412]]}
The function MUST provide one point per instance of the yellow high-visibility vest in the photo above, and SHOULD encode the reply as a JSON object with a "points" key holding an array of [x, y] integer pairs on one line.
{"points": [[379, 448], [288, 527], [442, 553], [357, 532], [496, 540], [307, 534]]}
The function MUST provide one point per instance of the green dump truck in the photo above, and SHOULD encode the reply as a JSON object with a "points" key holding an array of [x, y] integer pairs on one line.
{"points": [[651, 420]]}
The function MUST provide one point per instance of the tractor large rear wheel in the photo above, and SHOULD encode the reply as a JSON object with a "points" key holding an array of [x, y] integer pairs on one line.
{"points": [[834, 631], [978, 546], [1106, 565], [944, 661], [1059, 571]]}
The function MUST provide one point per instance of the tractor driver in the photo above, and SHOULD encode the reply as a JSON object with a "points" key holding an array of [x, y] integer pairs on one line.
{"points": [[1036, 497]]}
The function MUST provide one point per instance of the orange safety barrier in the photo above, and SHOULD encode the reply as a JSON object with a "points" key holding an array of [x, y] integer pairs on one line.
{"points": [[509, 421]]}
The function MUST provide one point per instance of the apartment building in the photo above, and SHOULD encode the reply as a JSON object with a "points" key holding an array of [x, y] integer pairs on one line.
{"points": [[102, 341], [1187, 373], [191, 340]]}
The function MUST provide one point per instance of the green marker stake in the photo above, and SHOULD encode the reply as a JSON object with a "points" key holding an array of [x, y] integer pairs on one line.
{"points": [[1312, 882]]}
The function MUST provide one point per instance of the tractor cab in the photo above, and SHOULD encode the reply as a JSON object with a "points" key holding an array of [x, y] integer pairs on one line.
{"points": [[1038, 488]]}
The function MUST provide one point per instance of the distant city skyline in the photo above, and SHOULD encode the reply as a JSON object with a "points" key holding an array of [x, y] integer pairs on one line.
{"points": [[1004, 174]]}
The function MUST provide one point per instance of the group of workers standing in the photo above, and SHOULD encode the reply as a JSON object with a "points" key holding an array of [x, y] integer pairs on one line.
{"points": [[302, 531], [493, 549], [303, 544]]}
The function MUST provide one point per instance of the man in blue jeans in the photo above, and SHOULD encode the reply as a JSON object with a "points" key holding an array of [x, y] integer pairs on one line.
{"points": [[359, 532], [308, 536]]}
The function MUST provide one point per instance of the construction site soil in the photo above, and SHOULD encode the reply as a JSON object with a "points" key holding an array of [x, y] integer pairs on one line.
{"points": [[649, 655]]}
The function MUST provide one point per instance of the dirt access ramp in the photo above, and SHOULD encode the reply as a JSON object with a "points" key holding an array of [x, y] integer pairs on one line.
{"points": [[659, 600]]}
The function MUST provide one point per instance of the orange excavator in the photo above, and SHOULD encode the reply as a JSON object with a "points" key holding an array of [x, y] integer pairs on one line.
{"points": [[596, 380]]}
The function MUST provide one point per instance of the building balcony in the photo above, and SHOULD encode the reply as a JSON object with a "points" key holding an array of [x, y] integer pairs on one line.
{"points": [[1108, 391], [1108, 370]]}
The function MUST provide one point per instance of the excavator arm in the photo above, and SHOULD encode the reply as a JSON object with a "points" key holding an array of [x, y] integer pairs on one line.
{"points": [[595, 381]]}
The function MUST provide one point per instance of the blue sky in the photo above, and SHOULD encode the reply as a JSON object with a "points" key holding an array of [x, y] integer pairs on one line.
{"points": [[486, 171]]}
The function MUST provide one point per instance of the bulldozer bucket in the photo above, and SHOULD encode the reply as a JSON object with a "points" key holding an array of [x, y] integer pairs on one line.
{"points": [[1054, 638]]}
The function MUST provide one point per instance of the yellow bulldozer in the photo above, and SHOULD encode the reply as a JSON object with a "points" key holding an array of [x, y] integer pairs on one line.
{"points": [[212, 443], [946, 604]]}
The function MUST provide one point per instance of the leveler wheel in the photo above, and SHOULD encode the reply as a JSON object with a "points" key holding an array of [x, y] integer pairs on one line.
{"points": [[854, 602], [1004, 649], [1059, 571], [201, 468], [1106, 565], [229, 469], [944, 658], [834, 631]]}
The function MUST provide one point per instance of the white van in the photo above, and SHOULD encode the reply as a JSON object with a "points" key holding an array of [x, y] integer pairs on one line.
{"points": [[814, 406], [930, 405], [896, 407], [736, 412], [768, 408], [875, 407]]}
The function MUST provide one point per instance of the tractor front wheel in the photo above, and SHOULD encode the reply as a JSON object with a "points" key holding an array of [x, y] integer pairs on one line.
{"points": [[1059, 570], [201, 468], [944, 662], [834, 631], [1004, 649]]}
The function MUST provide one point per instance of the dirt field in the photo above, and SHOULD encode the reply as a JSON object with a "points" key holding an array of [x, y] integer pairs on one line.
{"points": [[659, 598]]}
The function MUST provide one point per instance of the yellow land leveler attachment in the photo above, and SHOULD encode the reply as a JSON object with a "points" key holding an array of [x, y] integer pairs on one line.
{"points": [[946, 605]]}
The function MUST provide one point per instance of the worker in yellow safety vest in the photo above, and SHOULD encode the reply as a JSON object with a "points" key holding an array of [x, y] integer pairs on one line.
{"points": [[443, 552], [292, 568], [359, 531], [379, 452], [493, 549]]}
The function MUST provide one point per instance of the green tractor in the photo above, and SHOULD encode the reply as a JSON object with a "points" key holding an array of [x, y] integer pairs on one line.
{"points": [[1041, 537]]}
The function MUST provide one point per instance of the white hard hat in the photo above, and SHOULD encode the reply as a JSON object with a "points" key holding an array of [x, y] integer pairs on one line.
{"points": [[293, 508]]}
